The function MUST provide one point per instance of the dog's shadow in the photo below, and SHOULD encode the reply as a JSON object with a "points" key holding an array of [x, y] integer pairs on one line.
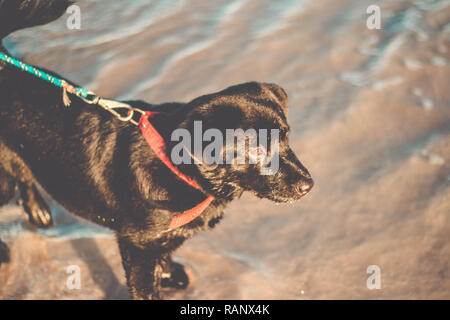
{"points": [[100, 270], [99, 259]]}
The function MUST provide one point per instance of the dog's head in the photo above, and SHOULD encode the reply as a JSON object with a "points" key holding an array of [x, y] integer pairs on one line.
{"points": [[243, 144]]}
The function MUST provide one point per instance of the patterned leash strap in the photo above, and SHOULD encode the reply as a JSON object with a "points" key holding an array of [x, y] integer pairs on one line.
{"points": [[81, 92], [85, 95]]}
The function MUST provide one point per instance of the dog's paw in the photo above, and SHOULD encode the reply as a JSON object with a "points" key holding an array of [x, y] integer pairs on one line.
{"points": [[38, 213], [4, 253], [177, 278], [36, 208]]}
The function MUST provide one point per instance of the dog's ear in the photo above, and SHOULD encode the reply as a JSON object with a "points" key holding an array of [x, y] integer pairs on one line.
{"points": [[222, 115], [229, 108], [277, 93]]}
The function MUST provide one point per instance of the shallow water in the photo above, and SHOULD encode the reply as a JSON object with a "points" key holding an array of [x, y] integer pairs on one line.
{"points": [[370, 114]]}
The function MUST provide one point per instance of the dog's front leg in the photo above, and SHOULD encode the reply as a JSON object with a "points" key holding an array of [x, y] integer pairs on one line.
{"points": [[143, 270]]}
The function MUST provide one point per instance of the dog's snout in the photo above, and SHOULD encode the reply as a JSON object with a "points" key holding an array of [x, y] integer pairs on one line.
{"points": [[304, 186]]}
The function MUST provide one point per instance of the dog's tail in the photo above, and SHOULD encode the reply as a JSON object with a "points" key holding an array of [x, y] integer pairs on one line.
{"points": [[20, 14]]}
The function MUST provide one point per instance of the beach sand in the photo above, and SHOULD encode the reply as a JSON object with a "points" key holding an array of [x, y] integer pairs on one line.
{"points": [[370, 119]]}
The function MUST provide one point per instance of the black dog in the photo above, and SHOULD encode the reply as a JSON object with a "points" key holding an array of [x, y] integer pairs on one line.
{"points": [[103, 170]]}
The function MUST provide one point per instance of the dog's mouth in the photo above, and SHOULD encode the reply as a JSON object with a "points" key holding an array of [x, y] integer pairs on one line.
{"points": [[295, 193]]}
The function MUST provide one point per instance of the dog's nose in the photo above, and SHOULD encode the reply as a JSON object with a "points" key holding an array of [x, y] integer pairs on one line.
{"points": [[304, 186]]}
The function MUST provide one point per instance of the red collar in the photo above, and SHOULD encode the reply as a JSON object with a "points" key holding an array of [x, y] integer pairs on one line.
{"points": [[157, 144]]}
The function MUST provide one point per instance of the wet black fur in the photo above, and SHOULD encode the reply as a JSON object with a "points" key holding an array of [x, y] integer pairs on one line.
{"points": [[102, 170]]}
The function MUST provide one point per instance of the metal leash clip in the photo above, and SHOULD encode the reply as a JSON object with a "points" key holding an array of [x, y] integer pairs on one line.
{"points": [[111, 105], [91, 97]]}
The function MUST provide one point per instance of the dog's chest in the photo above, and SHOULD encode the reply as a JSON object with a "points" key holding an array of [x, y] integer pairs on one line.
{"points": [[207, 220]]}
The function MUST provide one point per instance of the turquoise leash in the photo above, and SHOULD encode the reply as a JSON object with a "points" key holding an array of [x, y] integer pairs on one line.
{"points": [[87, 96], [81, 92]]}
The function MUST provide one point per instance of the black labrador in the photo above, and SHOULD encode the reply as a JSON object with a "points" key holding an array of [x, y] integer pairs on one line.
{"points": [[103, 170]]}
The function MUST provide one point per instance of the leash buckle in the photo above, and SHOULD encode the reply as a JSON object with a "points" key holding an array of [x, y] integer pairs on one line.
{"points": [[90, 98], [112, 105]]}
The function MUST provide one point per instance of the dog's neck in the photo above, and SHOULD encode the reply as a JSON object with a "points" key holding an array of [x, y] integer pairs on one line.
{"points": [[223, 191]]}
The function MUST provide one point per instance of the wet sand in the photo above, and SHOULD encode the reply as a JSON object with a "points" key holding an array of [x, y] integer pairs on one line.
{"points": [[370, 118]]}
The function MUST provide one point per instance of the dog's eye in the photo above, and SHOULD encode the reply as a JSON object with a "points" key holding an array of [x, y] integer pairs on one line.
{"points": [[258, 153]]}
